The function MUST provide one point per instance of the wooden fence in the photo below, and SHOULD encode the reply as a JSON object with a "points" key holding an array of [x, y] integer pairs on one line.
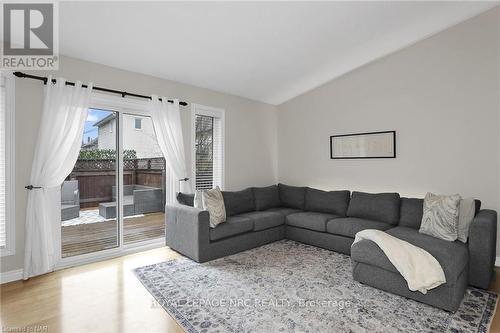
{"points": [[97, 177]]}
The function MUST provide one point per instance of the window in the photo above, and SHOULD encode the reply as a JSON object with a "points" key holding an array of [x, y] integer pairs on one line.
{"points": [[7, 225], [208, 152], [138, 123]]}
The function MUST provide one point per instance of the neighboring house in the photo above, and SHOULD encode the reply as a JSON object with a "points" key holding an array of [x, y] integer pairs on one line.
{"points": [[91, 144], [138, 135]]}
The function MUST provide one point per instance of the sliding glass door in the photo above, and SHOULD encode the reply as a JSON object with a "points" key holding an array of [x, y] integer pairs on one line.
{"points": [[89, 194], [143, 181], [114, 197]]}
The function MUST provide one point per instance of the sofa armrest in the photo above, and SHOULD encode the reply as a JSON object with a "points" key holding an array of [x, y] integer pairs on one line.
{"points": [[187, 231], [482, 248]]}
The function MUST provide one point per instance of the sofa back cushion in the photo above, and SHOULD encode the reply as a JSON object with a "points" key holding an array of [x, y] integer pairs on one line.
{"points": [[185, 199], [238, 202], [292, 196], [266, 197], [383, 207], [410, 214], [477, 205], [333, 202]]}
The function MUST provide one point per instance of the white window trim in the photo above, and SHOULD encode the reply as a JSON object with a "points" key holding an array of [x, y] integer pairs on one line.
{"points": [[198, 109], [10, 223]]}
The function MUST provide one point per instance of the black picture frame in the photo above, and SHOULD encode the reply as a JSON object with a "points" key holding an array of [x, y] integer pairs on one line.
{"points": [[332, 137]]}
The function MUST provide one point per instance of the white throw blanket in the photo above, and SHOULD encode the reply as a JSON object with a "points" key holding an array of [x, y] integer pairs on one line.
{"points": [[419, 268]]}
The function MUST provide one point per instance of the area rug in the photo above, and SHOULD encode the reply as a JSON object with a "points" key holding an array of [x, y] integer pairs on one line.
{"points": [[291, 287]]}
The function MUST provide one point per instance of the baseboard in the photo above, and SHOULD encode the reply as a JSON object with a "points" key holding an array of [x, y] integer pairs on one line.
{"points": [[11, 276], [87, 259], [497, 261]]}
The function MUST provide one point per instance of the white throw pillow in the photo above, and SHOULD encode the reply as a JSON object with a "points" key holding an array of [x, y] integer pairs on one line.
{"points": [[467, 213], [214, 203], [198, 199], [440, 216]]}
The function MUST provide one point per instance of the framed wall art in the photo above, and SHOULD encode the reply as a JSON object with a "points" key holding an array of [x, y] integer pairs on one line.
{"points": [[363, 145]]}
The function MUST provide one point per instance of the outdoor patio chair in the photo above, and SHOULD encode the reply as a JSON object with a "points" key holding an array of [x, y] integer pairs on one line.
{"points": [[70, 200]]}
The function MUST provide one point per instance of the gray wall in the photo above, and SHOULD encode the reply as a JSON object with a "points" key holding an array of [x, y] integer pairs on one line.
{"points": [[250, 129], [441, 95]]}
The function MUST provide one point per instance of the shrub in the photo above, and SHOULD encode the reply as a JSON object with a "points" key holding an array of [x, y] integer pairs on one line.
{"points": [[106, 154]]}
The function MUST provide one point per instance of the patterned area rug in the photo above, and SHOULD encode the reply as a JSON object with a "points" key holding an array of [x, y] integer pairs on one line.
{"points": [[291, 287]]}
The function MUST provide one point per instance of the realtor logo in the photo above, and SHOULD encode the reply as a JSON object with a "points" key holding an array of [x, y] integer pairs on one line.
{"points": [[29, 36]]}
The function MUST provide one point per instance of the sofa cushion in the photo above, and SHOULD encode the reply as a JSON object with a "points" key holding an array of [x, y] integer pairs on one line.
{"points": [[266, 197], [309, 220], [292, 196], [382, 207], [238, 202], [453, 256], [477, 205], [284, 210], [350, 226], [333, 202], [233, 226], [410, 213], [264, 220], [185, 199]]}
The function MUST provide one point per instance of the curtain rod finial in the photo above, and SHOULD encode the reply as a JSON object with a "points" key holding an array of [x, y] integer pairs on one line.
{"points": [[31, 187]]}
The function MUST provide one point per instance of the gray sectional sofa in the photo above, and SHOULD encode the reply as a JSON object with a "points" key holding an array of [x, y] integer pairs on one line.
{"points": [[330, 220]]}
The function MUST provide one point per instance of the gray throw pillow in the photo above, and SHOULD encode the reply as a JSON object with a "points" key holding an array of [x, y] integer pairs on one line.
{"points": [[440, 217], [214, 203]]}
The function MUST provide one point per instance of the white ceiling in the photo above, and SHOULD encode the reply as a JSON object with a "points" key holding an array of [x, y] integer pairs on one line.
{"points": [[265, 51]]}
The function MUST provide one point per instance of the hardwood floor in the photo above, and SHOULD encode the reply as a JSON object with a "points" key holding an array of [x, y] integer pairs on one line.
{"points": [[93, 237], [495, 286], [100, 297]]}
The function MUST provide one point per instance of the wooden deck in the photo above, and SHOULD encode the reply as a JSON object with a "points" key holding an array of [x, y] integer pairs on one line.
{"points": [[87, 238]]}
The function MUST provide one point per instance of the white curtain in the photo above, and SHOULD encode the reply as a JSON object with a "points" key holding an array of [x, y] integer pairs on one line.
{"points": [[59, 141], [167, 123]]}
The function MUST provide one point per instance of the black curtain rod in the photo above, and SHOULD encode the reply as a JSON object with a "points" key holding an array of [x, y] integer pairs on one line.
{"points": [[113, 91]]}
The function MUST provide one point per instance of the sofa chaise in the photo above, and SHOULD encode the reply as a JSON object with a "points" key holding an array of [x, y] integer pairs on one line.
{"points": [[70, 200], [330, 220]]}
